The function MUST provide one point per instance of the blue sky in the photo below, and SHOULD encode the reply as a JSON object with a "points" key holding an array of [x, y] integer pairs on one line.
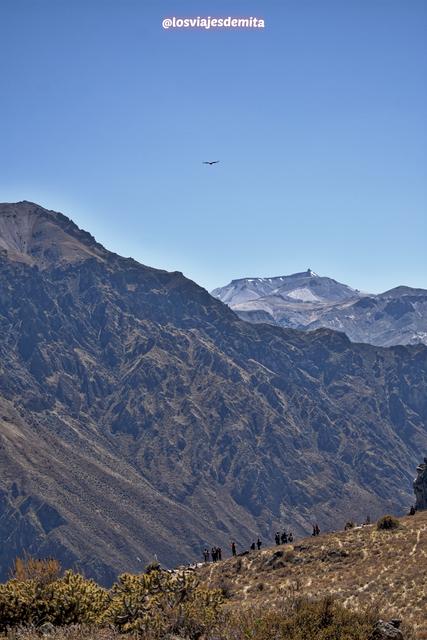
{"points": [[319, 121]]}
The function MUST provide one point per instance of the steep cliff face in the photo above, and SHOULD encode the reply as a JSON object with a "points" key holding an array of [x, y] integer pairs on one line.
{"points": [[139, 415], [420, 486]]}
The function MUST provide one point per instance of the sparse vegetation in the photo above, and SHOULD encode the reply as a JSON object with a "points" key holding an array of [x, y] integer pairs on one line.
{"points": [[43, 571], [300, 619], [329, 588], [361, 568]]}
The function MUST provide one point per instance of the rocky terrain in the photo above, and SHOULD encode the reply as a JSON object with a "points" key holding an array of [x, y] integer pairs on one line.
{"points": [[308, 301], [362, 568], [141, 416]]}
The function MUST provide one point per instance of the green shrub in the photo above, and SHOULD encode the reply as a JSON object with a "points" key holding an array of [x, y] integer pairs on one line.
{"points": [[152, 566], [160, 603], [387, 522], [76, 600], [68, 600]]}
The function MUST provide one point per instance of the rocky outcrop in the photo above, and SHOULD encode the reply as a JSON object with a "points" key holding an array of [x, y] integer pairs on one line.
{"points": [[387, 630], [420, 486]]}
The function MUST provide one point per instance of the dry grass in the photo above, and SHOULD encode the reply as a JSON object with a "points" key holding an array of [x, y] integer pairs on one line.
{"points": [[361, 568], [72, 632], [42, 571], [294, 620]]}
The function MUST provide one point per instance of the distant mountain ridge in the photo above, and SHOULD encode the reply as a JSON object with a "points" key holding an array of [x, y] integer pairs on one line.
{"points": [[139, 415], [305, 287], [307, 301]]}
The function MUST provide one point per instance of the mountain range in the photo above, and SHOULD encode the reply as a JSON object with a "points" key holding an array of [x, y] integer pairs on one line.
{"points": [[307, 301], [140, 416]]}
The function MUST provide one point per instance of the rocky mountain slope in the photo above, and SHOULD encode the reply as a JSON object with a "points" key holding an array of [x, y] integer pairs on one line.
{"points": [[299, 287], [361, 567], [308, 301], [140, 416]]}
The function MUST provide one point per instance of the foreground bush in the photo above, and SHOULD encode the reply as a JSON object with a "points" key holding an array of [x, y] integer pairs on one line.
{"points": [[68, 600], [155, 603], [387, 523], [161, 602], [296, 620]]}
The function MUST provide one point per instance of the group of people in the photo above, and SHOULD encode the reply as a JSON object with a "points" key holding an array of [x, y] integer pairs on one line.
{"points": [[284, 537], [280, 538], [256, 544], [215, 553]]}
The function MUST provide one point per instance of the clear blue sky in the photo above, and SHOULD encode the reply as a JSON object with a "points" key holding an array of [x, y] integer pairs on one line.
{"points": [[319, 122]]}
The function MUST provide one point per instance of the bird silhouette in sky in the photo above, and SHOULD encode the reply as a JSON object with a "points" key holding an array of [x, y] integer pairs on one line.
{"points": [[211, 162]]}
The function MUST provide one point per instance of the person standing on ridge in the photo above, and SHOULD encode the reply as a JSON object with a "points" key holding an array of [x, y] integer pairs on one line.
{"points": [[277, 537], [233, 548], [258, 543]]}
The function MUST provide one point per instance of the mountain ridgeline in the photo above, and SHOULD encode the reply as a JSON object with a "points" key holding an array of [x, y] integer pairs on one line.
{"points": [[307, 301], [139, 415]]}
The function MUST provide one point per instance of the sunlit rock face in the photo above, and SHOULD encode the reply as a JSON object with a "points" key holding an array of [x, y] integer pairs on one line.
{"points": [[307, 301], [420, 486]]}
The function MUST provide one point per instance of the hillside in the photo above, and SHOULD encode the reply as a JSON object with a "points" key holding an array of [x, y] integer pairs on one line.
{"points": [[140, 416], [362, 567], [307, 301]]}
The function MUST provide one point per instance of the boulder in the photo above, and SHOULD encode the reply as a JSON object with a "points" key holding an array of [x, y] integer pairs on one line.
{"points": [[387, 630]]}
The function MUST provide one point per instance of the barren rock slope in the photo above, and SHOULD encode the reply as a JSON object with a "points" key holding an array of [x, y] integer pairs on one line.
{"points": [[139, 415]]}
